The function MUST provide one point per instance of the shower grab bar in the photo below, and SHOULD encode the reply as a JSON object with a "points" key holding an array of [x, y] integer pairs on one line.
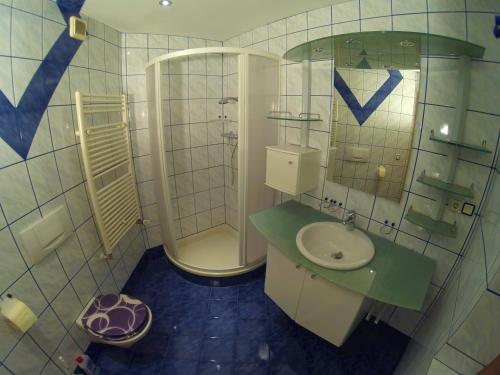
{"points": [[106, 151]]}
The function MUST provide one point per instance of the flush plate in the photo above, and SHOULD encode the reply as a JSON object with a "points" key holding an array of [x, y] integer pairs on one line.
{"points": [[46, 234]]}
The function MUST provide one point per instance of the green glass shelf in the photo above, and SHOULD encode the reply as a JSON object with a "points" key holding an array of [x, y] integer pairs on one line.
{"points": [[289, 117], [434, 226], [455, 189], [382, 49], [468, 146]]}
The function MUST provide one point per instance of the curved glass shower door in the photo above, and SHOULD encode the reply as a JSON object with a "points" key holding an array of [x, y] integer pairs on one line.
{"points": [[201, 120]]}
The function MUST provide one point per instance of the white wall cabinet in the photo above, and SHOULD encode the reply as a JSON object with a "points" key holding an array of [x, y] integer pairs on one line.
{"points": [[292, 169], [318, 305]]}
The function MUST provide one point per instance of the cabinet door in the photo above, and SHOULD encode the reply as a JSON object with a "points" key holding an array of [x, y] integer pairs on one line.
{"points": [[327, 310], [282, 171], [284, 281]]}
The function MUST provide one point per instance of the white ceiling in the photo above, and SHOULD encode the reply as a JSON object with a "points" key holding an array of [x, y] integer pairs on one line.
{"points": [[209, 19]]}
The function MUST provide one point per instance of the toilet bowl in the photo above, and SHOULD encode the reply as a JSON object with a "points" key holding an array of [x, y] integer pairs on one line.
{"points": [[115, 319]]}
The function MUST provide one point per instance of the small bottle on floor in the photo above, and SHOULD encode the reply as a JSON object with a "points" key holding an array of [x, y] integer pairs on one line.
{"points": [[86, 366]]}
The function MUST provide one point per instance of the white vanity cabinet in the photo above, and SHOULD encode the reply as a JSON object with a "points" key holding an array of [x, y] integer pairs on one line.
{"points": [[284, 280], [318, 305]]}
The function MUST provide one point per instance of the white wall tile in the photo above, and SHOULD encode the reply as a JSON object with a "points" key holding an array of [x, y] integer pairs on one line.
{"points": [[410, 22], [177, 42], [12, 265], [345, 12], [42, 142], [480, 323], [5, 25], [26, 358], [449, 24], [48, 331], [67, 350], [89, 240], [136, 40], [61, 126], [485, 77], [199, 158], [409, 6], [136, 60], [71, 256], [26, 35], [376, 24], [44, 177], [444, 262], [458, 361], [67, 306], [439, 368], [22, 72], [157, 41], [277, 28], [50, 276], [319, 17], [16, 196], [188, 225], [375, 8], [78, 204], [296, 23], [84, 285], [184, 184]]}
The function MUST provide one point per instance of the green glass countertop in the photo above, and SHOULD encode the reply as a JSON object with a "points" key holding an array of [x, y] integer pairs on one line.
{"points": [[396, 275]]}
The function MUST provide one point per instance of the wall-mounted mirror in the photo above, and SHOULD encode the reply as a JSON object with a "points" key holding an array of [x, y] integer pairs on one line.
{"points": [[376, 79], [373, 117]]}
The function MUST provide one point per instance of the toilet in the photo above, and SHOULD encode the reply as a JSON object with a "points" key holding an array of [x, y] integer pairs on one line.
{"points": [[115, 319]]}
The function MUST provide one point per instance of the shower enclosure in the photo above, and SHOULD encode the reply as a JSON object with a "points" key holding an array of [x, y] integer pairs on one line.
{"points": [[208, 132]]}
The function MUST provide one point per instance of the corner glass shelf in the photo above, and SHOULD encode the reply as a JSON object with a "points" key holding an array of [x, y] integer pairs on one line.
{"points": [[433, 226], [467, 192], [279, 115], [382, 49], [468, 146]]}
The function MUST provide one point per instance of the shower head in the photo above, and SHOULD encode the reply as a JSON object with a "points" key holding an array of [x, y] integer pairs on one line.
{"points": [[229, 99]]}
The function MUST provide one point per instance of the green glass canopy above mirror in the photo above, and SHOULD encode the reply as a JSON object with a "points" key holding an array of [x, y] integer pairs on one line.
{"points": [[382, 49]]}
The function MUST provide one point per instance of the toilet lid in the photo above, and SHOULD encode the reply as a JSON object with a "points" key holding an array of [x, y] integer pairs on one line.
{"points": [[115, 316]]}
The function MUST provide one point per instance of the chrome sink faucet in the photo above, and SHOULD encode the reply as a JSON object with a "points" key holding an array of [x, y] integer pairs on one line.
{"points": [[349, 218]]}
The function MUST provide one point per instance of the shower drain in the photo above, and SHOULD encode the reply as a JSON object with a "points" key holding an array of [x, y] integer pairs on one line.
{"points": [[337, 255]]}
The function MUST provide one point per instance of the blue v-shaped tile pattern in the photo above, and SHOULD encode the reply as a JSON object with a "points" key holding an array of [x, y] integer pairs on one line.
{"points": [[361, 113], [18, 125], [496, 28]]}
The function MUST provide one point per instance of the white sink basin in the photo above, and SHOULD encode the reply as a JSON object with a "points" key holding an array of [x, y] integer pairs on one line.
{"points": [[331, 245]]}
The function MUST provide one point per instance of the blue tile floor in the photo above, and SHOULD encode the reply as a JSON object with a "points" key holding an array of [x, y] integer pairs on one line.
{"points": [[234, 329]]}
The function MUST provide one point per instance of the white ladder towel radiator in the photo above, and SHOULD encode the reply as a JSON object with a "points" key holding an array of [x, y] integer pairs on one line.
{"points": [[107, 160]]}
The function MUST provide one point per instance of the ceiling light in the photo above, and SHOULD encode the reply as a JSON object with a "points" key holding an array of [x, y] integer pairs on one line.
{"points": [[165, 3]]}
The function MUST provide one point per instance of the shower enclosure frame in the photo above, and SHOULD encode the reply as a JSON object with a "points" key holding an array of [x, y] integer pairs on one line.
{"points": [[161, 185]]}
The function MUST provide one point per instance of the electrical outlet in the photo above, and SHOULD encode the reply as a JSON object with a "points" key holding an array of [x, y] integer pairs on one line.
{"points": [[454, 205]]}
